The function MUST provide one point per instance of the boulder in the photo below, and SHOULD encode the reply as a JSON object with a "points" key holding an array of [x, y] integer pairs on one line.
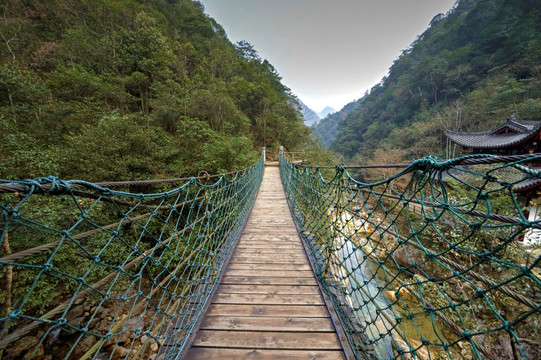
{"points": [[26, 343], [118, 352], [35, 353], [84, 345], [75, 313], [118, 339]]}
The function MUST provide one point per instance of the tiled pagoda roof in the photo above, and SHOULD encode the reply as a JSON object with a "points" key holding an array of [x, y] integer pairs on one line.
{"points": [[508, 134]]}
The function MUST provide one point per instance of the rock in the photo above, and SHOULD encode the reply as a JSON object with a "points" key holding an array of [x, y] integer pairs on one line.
{"points": [[119, 352], [93, 323], [118, 339], [27, 342], [108, 303], [402, 257], [96, 309], [53, 337], [103, 326], [75, 313], [36, 353], [135, 323], [154, 348], [403, 293], [84, 345], [77, 322], [390, 295], [79, 300]]}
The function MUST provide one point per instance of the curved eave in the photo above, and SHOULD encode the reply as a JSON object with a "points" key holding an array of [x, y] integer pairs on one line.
{"points": [[514, 125], [526, 185], [488, 141]]}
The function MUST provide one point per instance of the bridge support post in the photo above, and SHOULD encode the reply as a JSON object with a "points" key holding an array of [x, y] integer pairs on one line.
{"points": [[264, 154], [281, 151]]}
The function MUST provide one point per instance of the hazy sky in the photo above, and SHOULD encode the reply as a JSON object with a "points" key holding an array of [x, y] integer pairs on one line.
{"points": [[328, 52]]}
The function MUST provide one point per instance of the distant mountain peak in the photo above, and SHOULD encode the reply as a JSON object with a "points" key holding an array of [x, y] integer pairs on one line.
{"points": [[326, 111], [310, 116]]}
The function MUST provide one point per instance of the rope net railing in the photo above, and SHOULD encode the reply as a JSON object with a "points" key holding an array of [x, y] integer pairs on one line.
{"points": [[87, 272], [440, 261]]}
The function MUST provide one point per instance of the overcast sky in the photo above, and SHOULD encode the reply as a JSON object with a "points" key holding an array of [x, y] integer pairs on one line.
{"points": [[328, 52]]}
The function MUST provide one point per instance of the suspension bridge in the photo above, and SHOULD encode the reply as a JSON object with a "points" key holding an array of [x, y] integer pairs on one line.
{"points": [[279, 260]]}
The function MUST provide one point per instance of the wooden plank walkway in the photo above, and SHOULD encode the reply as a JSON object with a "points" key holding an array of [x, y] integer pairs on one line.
{"points": [[268, 304]]}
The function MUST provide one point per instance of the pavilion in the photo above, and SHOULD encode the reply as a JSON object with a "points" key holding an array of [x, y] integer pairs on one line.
{"points": [[513, 137]]}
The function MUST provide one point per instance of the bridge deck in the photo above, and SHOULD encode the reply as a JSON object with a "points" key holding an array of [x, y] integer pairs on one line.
{"points": [[268, 304]]}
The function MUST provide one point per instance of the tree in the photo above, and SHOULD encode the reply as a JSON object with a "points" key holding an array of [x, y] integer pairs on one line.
{"points": [[119, 148]]}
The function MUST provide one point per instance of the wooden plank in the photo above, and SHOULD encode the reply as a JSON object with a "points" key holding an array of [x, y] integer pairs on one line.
{"points": [[271, 299], [270, 243], [263, 241], [269, 250], [200, 353], [278, 229], [268, 289], [261, 280], [271, 232], [268, 310], [267, 340], [268, 230], [271, 273], [268, 237], [280, 266], [270, 255], [257, 323], [266, 260], [265, 245], [267, 219], [287, 258], [289, 247]]}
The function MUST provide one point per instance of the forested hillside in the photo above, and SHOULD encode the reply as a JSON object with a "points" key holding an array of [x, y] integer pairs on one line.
{"points": [[470, 70], [325, 130], [126, 89]]}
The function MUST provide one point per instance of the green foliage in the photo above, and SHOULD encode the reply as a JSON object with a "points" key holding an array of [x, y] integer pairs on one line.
{"points": [[119, 147], [220, 155], [95, 89]]}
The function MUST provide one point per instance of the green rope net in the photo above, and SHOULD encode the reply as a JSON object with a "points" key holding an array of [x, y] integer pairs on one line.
{"points": [[439, 261], [90, 272]]}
